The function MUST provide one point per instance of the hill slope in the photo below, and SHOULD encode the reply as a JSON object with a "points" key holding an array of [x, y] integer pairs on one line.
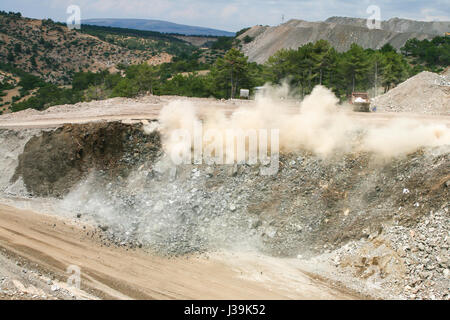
{"points": [[52, 51], [295, 33], [157, 25]]}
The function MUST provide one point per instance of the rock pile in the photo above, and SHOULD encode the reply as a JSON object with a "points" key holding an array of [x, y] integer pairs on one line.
{"points": [[427, 93], [400, 261]]}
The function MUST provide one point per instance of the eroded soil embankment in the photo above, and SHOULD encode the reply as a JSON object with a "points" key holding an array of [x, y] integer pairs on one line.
{"points": [[54, 161], [310, 206]]}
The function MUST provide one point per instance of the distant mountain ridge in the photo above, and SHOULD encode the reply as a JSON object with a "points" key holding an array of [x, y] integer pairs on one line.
{"points": [[341, 32], [157, 25]]}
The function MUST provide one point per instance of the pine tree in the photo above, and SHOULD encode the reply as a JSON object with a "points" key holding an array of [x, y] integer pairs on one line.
{"points": [[356, 67], [395, 70], [233, 68]]}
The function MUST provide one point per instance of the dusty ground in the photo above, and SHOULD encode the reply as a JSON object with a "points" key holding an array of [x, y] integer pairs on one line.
{"points": [[36, 250]]}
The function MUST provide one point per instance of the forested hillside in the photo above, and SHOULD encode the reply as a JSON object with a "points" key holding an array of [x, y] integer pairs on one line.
{"points": [[34, 70]]}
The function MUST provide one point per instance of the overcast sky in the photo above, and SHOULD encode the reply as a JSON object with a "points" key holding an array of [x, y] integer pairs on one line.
{"points": [[231, 15]]}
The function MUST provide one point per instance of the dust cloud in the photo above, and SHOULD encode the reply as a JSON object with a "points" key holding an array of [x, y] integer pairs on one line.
{"points": [[318, 124], [403, 136]]}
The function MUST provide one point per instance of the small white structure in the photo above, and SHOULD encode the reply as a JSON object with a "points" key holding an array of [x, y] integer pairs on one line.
{"points": [[244, 93]]}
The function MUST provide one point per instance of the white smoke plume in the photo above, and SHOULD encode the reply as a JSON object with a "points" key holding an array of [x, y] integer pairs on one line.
{"points": [[318, 124]]}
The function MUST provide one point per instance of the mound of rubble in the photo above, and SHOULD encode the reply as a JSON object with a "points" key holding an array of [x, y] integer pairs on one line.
{"points": [[426, 92], [397, 262]]}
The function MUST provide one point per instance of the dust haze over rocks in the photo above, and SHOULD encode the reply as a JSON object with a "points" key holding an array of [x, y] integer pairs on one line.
{"points": [[317, 124]]}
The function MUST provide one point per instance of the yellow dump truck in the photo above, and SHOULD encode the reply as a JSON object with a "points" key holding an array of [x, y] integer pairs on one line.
{"points": [[360, 101]]}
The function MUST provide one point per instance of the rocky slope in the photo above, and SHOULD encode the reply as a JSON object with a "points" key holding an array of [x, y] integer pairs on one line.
{"points": [[295, 33]]}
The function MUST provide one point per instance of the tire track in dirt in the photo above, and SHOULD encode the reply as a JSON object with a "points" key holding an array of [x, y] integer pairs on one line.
{"points": [[54, 243]]}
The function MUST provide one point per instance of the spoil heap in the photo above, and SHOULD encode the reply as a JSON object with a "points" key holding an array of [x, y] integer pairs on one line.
{"points": [[427, 93]]}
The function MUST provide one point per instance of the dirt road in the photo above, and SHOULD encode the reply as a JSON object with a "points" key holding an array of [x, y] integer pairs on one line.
{"points": [[45, 246], [148, 108]]}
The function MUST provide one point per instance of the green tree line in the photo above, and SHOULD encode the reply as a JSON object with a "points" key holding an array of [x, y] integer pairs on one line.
{"points": [[426, 54], [357, 69]]}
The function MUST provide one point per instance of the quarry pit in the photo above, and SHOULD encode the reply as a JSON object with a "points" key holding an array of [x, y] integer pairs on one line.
{"points": [[92, 186]]}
